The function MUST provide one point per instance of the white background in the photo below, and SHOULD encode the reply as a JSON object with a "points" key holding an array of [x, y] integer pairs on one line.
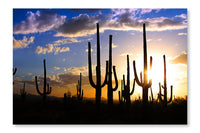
{"points": [[6, 38]]}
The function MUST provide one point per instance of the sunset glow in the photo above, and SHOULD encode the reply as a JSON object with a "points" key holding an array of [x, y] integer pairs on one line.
{"points": [[61, 37]]}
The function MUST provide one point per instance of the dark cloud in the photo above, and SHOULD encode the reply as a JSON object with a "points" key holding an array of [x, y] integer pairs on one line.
{"points": [[85, 10], [40, 21], [84, 24], [180, 59], [78, 26]]}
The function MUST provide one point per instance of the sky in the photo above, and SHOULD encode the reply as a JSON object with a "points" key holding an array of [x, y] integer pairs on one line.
{"points": [[61, 37]]}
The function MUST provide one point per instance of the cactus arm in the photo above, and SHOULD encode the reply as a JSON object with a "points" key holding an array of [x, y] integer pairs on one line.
{"points": [[171, 94], [48, 89], [160, 95], [14, 71], [163, 86], [90, 66], [141, 77], [38, 91], [151, 93], [119, 96], [105, 80], [116, 81], [136, 76], [133, 88], [124, 81], [149, 84]]}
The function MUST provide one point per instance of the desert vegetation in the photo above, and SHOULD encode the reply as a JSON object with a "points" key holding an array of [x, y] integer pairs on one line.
{"points": [[79, 110]]}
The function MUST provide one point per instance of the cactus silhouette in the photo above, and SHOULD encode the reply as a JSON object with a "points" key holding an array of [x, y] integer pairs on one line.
{"points": [[78, 87], [23, 92], [98, 84], [119, 95], [67, 97], [164, 99], [152, 99], [109, 74], [122, 99], [126, 92], [14, 71], [144, 81], [46, 88]]}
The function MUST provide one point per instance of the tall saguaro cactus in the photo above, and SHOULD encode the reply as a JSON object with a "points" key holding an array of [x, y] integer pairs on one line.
{"points": [[46, 89], [98, 84], [109, 74], [144, 83], [79, 89], [126, 92], [164, 99], [23, 92]]}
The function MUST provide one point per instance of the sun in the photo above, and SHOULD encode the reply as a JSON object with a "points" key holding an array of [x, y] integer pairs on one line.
{"points": [[157, 73]]}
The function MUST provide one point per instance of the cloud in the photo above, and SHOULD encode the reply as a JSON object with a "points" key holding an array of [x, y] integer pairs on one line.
{"points": [[40, 21], [149, 40], [179, 59], [183, 16], [24, 43], [84, 24], [50, 48], [181, 34], [43, 50], [65, 41], [87, 50], [57, 68], [146, 10], [64, 49], [125, 54], [81, 25], [77, 70], [114, 46]]}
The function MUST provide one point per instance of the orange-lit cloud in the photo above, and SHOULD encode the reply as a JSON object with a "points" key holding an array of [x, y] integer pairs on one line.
{"points": [[57, 68], [50, 48], [24, 43], [182, 59], [181, 34]]}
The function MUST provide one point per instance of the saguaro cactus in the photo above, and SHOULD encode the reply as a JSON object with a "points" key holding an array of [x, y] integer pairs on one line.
{"points": [[14, 70], [119, 95], [144, 81], [109, 74], [46, 89], [23, 92], [78, 87], [126, 92], [164, 99], [98, 84]]}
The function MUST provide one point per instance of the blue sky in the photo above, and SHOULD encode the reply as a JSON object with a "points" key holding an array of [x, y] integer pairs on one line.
{"points": [[61, 37]]}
